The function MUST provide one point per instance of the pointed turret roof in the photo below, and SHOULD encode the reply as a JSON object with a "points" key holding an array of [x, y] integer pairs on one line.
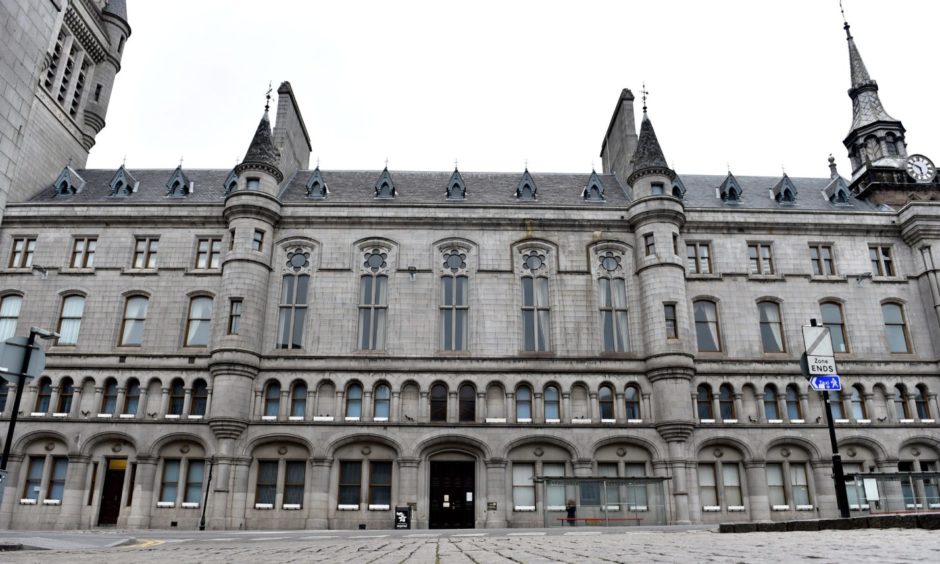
{"points": [[262, 154], [866, 105], [648, 157]]}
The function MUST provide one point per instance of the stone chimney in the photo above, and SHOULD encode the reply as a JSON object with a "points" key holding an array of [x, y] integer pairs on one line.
{"points": [[290, 133], [621, 139]]}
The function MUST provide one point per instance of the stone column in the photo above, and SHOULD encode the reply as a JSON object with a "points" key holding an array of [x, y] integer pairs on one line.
{"points": [[144, 485], [757, 497], [338, 408], [739, 407], [394, 414], [647, 411], [259, 404], [187, 401], [481, 407], [141, 402], [892, 498], [310, 408], [283, 405], [319, 498], [716, 407], [76, 402], [594, 410], [367, 405], [538, 409], [11, 393], [566, 407], [496, 493], [620, 409], [869, 399], [408, 481], [804, 406], [28, 401], [424, 408], [119, 405], [680, 492], [932, 405], [96, 406], [825, 500], [510, 407], [782, 406], [208, 401], [164, 401], [451, 406], [239, 492], [71, 510], [11, 489], [53, 400]]}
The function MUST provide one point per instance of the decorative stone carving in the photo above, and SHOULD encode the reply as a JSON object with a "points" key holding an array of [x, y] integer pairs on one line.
{"points": [[621, 452], [785, 452], [718, 453], [282, 450], [538, 451], [366, 451]]}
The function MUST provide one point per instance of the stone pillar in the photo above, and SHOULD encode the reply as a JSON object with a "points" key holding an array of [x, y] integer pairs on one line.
{"points": [[283, 405], [164, 401], [76, 401], [259, 404], [11, 393], [510, 407], [932, 405], [96, 406], [71, 510], [892, 498], [594, 409], [424, 408], [408, 480], [187, 401], [119, 406], [739, 407], [452, 406], [141, 403], [481, 407], [208, 401], [338, 408], [28, 401], [757, 497], [538, 409], [496, 493], [239, 492], [680, 492], [11, 489], [620, 409], [647, 409], [566, 407], [367, 405], [53, 400], [394, 414], [804, 406], [870, 406], [825, 500], [144, 485], [309, 409], [319, 498]]}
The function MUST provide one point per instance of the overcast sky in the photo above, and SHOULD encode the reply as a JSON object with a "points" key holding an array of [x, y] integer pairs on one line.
{"points": [[754, 85]]}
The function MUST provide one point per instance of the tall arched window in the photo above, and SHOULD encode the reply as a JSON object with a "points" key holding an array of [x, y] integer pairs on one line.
{"points": [[551, 398], [199, 322], [177, 397], [373, 300], [605, 400], [382, 402], [523, 403], [703, 402], [467, 398], [726, 402], [9, 315], [833, 319], [131, 397], [298, 399], [438, 402], [272, 399], [43, 394], [132, 327], [200, 397], [631, 397], [454, 301], [771, 411], [292, 311], [706, 326], [901, 409], [70, 320], [354, 401], [66, 391], [109, 397], [920, 402], [858, 403], [612, 301], [794, 410], [771, 327], [536, 308], [899, 341]]}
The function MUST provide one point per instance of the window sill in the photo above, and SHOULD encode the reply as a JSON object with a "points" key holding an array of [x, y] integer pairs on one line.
{"points": [[269, 417], [637, 508], [827, 278], [524, 420], [27, 501], [551, 421], [729, 421], [707, 421], [702, 275], [841, 421], [350, 507], [863, 507], [797, 421], [264, 506], [863, 421], [60, 414], [608, 421], [581, 421], [634, 421], [780, 508], [165, 504], [495, 419], [52, 502], [296, 418], [202, 272], [711, 508], [127, 416], [189, 505], [352, 418], [905, 421], [775, 421], [37, 414], [804, 507], [380, 419], [736, 508], [765, 277], [139, 271], [291, 507], [194, 417], [888, 279], [927, 420], [322, 418], [379, 507], [171, 416], [555, 508], [524, 508], [76, 271], [104, 415]]}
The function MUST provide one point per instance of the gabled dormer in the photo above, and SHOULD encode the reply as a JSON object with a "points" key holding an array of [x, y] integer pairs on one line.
{"points": [[784, 192], [68, 183], [594, 190], [123, 184], [231, 182], [456, 189], [316, 186], [385, 186], [178, 185], [678, 188], [837, 192], [526, 190], [730, 191]]}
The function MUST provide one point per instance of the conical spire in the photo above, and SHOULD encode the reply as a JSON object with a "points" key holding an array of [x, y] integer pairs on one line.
{"points": [[648, 152], [262, 154], [857, 68], [866, 105]]}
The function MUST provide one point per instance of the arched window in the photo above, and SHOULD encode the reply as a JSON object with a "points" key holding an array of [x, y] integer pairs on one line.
{"points": [[706, 326], [794, 410], [920, 402], [298, 399], [200, 398], [771, 411], [901, 409], [438, 402], [467, 398], [891, 145], [132, 327], [833, 319], [771, 327], [9, 315], [199, 322], [605, 400], [612, 302], [292, 311], [703, 402], [109, 397], [373, 302], [354, 401], [70, 321], [899, 341], [455, 303], [381, 400], [858, 403], [177, 397], [536, 313], [523, 403], [43, 394], [631, 397], [835, 402], [66, 391], [131, 397], [272, 399], [726, 402], [551, 398]]}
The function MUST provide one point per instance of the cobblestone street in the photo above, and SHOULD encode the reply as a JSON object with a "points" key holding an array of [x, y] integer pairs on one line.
{"points": [[891, 545]]}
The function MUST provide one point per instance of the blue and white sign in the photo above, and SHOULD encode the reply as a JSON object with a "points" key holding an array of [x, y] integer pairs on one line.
{"points": [[825, 383]]}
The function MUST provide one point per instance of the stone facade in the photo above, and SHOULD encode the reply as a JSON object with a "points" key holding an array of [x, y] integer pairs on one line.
{"points": [[279, 347]]}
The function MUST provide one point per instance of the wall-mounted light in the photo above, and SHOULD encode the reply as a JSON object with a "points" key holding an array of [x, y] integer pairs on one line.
{"points": [[412, 270]]}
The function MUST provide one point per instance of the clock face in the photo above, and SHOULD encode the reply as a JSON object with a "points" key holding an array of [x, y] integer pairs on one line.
{"points": [[920, 168]]}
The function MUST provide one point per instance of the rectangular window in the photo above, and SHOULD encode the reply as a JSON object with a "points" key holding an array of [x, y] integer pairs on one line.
{"points": [[70, 320], [194, 476], [350, 481], [536, 314], [672, 327], [132, 327], [760, 258], [292, 312], [34, 477], [731, 480], [169, 483], [145, 252], [208, 253], [775, 490], [231, 238], [83, 252], [266, 485], [523, 488], [854, 489], [707, 488], [380, 483], [899, 340], [612, 295], [199, 322], [21, 256], [707, 334], [881, 261], [234, 316], [675, 244], [657, 188], [253, 183], [294, 482], [373, 307], [649, 243], [454, 312], [636, 493], [257, 240], [554, 493], [611, 494], [821, 258], [798, 484], [771, 327], [698, 258]]}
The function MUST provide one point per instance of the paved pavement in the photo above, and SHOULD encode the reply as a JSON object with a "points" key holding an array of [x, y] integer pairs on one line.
{"points": [[694, 544]]}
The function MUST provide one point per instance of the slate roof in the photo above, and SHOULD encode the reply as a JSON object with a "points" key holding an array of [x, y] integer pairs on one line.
{"points": [[357, 187], [648, 152]]}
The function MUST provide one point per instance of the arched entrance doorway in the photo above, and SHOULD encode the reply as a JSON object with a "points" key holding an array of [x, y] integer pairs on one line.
{"points": [[451, 491]]}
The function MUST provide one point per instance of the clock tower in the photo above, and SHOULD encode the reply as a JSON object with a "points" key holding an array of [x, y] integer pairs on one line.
{"points": [[882, 170]]}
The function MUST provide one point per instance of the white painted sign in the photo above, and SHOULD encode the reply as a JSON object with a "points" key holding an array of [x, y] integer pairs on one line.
{"points": [[816, 341], [821, 365]]}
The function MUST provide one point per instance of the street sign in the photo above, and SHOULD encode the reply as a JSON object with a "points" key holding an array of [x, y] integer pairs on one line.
{"points": [[825, 383], [12, 352], [821, 365], [816, 341]]}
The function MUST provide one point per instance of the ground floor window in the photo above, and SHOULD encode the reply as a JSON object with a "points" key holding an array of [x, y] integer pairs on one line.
{"points": [[523, 488]]}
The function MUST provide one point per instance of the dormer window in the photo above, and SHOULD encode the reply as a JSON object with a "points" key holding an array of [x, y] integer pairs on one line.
{"points": [[787, 196], [231, 182], [842, 197], [68, 183], [178, 185], [678, 188], [526, 193], [456, 189], [253, 184], [316, 186], [526, 190], [385, 186], [594, 191], [730, 191], [122, 183], [733, 195], [657, 189], [385, 190]]}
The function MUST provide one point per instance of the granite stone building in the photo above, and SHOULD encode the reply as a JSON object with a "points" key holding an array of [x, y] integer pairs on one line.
{"points": [[275, 346]]}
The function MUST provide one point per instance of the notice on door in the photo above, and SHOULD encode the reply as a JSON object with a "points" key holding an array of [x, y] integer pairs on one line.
{"points": [[469, 496]]}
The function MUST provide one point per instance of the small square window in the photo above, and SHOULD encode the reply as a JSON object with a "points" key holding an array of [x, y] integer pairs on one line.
{"points": [[657, 189], [145, 252], [822, 261], [649, 243], [21, 255], [253, 184], [699, 257], [760, 258], [83, 252], [257, 242], [208, 253], [882, 263]]}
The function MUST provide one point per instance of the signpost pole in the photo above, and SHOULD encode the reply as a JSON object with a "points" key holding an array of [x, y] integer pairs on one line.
{"points": [[842, 498], [20, 383]]}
